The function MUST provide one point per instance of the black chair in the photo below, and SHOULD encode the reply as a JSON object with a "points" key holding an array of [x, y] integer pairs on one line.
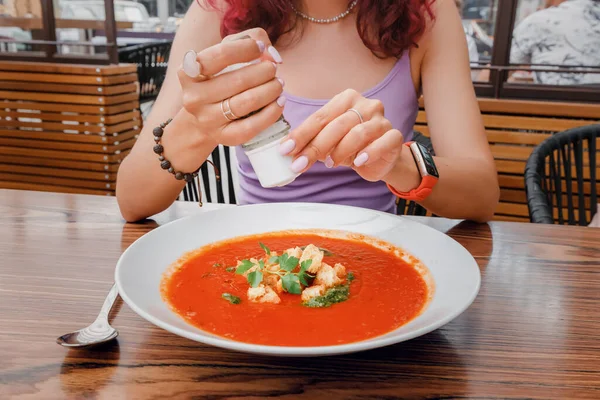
{"points": [[216, 167], [211, 177], [560, 178], [151, 60]]}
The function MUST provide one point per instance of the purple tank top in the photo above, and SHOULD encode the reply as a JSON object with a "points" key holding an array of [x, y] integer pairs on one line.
{"points": [[341, 185]]}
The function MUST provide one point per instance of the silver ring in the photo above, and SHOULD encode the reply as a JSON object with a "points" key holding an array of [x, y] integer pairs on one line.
{"points": [[357, 113], [226, 110]]}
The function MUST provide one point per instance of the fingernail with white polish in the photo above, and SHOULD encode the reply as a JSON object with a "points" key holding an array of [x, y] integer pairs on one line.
{"points": [[329, 162], [275, 65], [361, 159], [281, 101], [287, 146], [191, 66], [261, 45], [299, 164], [281, 81], [275, 54]]}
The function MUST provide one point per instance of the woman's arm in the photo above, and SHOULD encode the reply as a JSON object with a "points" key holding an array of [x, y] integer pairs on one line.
{"points": [[143, 188], [468, 184], [195, 104]]}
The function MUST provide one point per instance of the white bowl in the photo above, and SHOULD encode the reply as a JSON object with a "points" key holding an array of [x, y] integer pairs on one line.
{"points": [[139, 270]]}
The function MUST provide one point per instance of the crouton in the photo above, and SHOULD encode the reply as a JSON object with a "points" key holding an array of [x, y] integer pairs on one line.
{"points": [[312, 252], [294, 252], [263, 294], [312, 291], [327, 276], [340, 270], [274, 282]]}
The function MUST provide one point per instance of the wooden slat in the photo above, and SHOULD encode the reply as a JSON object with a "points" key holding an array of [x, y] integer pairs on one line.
{"points": [[67, 146], [69, 88], [59, 172], [68, 98], [70, 137], [70, 79], [57, 126], [65, 155], [78, 108], [52, 180], [533, 107], [52, 188], [70, 69], [510, 137], [90, 118], [52, 162], [506, 152], [513, 196], [548, 108], [518, 182]]}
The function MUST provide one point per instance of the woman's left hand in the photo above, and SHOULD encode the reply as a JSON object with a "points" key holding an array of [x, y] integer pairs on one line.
{"points": [[349, 130]]}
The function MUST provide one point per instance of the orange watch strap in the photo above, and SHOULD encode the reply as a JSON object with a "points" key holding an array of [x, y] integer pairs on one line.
{"points": [[421, 192]]}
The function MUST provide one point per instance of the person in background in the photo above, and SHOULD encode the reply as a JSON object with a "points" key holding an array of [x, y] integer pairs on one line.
{"points": [[565, 34], [471, 45], [347, 76]]}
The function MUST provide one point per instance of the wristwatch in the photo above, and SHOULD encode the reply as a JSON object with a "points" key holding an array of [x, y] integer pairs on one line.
{"points": [[427, 169]]}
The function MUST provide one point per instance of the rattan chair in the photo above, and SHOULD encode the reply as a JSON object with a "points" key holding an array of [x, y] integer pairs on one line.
{"points": [[561, 178]]}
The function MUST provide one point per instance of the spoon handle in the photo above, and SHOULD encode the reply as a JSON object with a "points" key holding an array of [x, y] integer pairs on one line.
{"points": [[108, 303]]}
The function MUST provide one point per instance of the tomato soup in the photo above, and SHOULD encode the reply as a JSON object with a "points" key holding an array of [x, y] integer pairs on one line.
{"points": [[389, 288]]}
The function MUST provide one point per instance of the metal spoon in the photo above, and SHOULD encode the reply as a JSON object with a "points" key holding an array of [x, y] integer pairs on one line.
{"points": [[99, 331]]}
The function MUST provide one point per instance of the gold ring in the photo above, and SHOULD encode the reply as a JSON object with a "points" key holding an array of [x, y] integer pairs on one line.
{"points": [[226, 110], [357, 113]]}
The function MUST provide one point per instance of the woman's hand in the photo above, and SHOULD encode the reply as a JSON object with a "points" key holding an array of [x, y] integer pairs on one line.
{"points": [[218, 102], [351, 131]]}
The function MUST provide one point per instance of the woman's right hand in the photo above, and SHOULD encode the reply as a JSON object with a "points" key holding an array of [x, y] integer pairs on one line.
{"points": [[248, 89]]}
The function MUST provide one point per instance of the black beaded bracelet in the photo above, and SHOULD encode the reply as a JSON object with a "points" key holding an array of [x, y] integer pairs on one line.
{"points": [[166, 164]]}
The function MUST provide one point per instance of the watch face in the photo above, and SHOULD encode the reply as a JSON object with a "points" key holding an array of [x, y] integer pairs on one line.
{"points": [[428, 160]]}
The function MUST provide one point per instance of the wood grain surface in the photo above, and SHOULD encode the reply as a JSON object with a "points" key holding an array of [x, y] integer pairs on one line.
{"points": [[533, 332]]}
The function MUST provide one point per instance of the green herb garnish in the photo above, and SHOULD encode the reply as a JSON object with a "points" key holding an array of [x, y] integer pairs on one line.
{"points": [[255, 278], [265, 248], [291, 283], [351, 276], [230, 269], [231, 298], [288, 263], [332, 296], [244, 266], [216, 265]]}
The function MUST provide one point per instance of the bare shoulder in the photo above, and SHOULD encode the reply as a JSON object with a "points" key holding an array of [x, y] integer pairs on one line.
{"points": [[445, 19], [201, 26]]}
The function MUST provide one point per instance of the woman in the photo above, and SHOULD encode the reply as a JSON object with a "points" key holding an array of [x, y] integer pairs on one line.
{"points": [[371, 60]]}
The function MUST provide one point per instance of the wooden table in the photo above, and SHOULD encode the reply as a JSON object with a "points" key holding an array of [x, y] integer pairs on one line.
{"points": [[533, 332]]}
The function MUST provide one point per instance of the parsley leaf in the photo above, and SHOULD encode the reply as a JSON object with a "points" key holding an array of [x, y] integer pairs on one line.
{"points": [[261, 264], [265, 248], [231, 298], [305, 265], [216, 265], [288, 263], [230, 269], [351, 276], [302, 278], [244, 266], [255, 278], [291, 284], [274, 260]]}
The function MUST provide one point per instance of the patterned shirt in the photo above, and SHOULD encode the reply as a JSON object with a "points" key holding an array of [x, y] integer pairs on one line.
{"points": [[567, 35]]}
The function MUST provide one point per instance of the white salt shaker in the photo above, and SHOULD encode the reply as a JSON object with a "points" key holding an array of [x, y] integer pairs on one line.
{"points": [[271, 168]]}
